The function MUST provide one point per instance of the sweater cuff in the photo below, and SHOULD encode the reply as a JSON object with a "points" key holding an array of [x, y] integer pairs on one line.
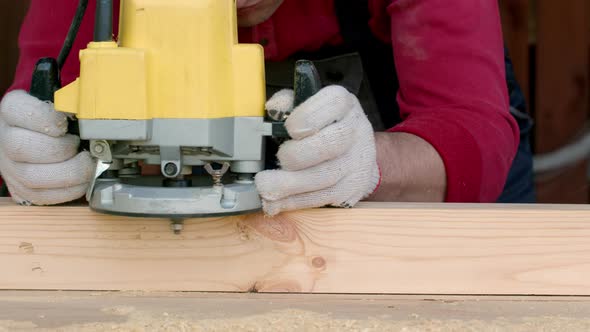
{"points": [[474, 173]]}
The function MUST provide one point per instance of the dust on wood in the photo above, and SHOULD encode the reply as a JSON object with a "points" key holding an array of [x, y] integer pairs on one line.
{"points": [[298, 320]]}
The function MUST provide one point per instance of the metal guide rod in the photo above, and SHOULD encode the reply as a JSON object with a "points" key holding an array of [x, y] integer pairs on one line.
{"points": [[103, 27]]}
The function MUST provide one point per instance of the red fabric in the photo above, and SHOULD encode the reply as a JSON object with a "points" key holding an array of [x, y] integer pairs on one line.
{"points": [[449, 58], [42, 35]]}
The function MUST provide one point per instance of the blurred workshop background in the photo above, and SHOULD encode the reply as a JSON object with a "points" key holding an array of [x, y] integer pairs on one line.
{"points": [[549, 44]]}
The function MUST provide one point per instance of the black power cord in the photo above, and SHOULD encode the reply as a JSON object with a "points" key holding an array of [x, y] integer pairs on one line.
{"points": [[72, 33]]}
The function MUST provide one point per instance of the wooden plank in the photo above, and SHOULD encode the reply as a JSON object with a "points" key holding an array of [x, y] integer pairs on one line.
{"points": [[375, 248], [99, 311], [515, 24]]}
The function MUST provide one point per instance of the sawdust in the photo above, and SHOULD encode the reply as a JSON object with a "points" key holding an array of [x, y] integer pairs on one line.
{"points": [[10, 325], [119, 310], [297, 320]]}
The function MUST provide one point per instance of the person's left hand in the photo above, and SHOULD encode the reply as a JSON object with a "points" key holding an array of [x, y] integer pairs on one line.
{"points": [[331, 159]]}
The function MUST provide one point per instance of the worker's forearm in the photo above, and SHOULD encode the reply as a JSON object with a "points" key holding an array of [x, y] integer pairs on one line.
{"points": [[411, 169]]}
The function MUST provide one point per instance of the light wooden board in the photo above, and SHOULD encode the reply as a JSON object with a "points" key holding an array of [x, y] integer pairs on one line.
{"points": [[375, 248]]}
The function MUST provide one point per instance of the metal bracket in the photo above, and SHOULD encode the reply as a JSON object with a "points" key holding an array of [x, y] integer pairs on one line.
{"points": [[101, 149]]}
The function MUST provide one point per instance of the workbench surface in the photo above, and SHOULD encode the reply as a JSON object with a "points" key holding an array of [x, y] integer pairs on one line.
{"points": [[97, 311]]}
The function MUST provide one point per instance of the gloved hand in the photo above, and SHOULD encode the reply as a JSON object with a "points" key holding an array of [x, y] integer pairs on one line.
{"points": [[331, 159], [39, 162]]}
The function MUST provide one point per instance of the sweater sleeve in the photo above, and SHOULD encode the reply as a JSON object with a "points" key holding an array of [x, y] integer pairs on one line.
{"points": [[453, 93], [42, 35]]}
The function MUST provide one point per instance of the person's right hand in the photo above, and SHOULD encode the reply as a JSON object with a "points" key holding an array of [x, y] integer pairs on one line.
{"points": [[39, 161]]}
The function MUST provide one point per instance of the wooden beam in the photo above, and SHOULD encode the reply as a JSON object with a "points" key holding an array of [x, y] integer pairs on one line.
{"points": [[375, 248]]}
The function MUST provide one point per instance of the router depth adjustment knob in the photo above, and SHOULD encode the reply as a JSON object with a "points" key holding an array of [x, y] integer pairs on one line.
{"points": [[170, 169]]}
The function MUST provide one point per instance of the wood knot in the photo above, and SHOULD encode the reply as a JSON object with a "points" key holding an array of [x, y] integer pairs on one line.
{"points": [[279, 228], [26, 248], [318, 262], [37, 268], [243, 231]]}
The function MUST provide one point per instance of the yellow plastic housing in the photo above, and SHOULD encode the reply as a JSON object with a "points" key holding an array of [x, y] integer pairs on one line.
{"points": [[176, 59]]}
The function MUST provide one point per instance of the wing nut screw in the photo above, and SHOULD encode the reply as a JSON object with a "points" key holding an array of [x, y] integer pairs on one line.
{"points": [[217, 174]]}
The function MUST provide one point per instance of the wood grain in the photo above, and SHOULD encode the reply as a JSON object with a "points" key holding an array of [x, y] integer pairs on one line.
{"points": [[375, 248]]}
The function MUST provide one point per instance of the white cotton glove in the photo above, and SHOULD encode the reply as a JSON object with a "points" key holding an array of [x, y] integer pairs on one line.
{"points": [[331, 159], [39, 162]]}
